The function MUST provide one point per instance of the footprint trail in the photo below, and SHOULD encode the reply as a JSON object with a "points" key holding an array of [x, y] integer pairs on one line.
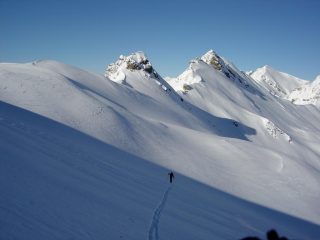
{"points": [[153, 230]]}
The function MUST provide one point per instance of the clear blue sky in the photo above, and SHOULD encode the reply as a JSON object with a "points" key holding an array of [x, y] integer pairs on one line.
{"points": [[284, 34]]}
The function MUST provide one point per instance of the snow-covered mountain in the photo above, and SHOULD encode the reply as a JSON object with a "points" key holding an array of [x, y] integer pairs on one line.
{"points": [[86, 156], [277, 123], [286, 86], [277, 83], [308, 93]]}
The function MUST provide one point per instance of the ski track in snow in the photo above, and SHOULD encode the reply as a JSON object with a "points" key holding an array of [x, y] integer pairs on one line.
{"points": [[153, 230]]}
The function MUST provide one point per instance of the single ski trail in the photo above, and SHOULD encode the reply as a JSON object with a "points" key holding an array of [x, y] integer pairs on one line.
{"points": [[153, 230]]}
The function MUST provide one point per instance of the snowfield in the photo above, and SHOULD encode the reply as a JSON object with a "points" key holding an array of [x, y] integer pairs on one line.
{"points": [[85, 156]]}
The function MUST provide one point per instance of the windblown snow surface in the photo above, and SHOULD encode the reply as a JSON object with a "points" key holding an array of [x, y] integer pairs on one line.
{"points": [[85, 156]]}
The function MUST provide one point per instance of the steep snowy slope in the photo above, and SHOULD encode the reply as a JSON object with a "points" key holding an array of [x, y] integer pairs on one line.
{"points": [[58, 183], [224, 130], [308, 93], [277, 83]]}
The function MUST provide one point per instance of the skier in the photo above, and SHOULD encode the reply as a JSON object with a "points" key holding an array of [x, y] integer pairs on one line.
{"points": [[171, 175]]}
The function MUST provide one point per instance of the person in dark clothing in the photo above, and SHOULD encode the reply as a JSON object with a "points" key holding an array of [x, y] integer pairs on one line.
{"points": [[171, 175], [271, 235]]}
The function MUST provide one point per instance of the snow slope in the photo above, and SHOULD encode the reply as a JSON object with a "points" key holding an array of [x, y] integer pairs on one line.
{"points": [[115, 141], [58, 183]]}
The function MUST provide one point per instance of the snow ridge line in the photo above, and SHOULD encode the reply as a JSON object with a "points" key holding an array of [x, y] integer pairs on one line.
{"points": [[153, 230]]}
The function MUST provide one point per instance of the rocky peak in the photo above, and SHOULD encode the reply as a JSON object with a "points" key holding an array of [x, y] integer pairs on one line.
{"points": [[213, 59], [133, 62], [220, 64]]}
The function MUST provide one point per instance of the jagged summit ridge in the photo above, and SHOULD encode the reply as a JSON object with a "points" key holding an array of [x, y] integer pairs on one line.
{"points": [[224, 66], [220, 65], [136, 71], [132, 62], [213, 59]]}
